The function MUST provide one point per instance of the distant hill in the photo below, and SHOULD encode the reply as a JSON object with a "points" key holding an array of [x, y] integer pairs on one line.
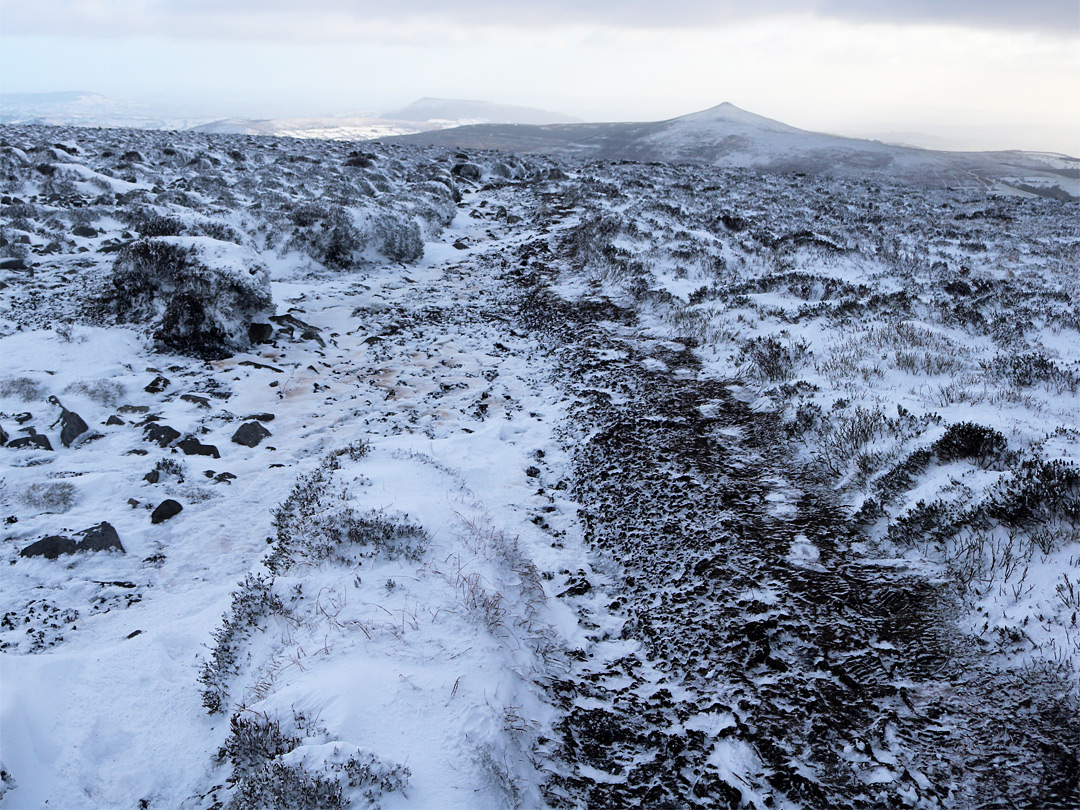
{"points": [[83, 109], [475, 112], [726, 135]]}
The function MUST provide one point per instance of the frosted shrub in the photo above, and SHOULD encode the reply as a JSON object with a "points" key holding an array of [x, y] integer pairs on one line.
{"points": [[199, 295], [25, 388], [54, 496], [107, 392]]}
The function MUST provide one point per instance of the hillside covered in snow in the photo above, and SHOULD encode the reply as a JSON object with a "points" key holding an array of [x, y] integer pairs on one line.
{"points": [[387, 475]]}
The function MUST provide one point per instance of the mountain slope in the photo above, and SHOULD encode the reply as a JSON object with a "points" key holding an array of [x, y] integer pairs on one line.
{"points": [[730, 137], [476, 112]]}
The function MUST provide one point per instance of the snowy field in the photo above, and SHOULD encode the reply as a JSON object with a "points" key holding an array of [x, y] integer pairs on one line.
{"points": [[375, 476]]}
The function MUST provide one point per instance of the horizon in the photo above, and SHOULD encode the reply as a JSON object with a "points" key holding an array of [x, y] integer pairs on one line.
{"points": [[974, 75]]}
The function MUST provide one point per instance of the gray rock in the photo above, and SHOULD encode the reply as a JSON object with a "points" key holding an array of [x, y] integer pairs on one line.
{"points": [[50, 547], [72, 425], [85, 230], [35, 439], [260, 332], [157, 385], [165, 510], [250, 434], [163, 435], [102, 537], [193, 447]]}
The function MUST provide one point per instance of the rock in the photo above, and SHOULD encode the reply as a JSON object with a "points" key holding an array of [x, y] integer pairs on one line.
{"points": [[23, 418], [260, 333], [153, 476], [202, 402], [250, 434], [262, 417], [311, 334], [157, 385], [115, 420], [460, 244], [3, 436], [35, 439], [86, 231], [50, 547], [193, 447], [72, 425], [72, 428], [163, 435], [467, 171], [165, 510], [102, 537], [14, 263]]}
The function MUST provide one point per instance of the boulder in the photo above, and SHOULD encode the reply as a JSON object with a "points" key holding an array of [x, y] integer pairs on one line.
{"points": [[260, 333], [50, 547], [157, 385], [102, 537], [85, 231], [250, 434], [163, 435], [165, 510], [193, 447], [35, 439]]}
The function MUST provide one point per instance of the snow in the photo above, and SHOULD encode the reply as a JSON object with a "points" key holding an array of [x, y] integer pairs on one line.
{"points": [[428, 401]]}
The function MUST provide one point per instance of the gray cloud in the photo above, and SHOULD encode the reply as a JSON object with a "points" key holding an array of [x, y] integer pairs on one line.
{"points": [[268, 19]]}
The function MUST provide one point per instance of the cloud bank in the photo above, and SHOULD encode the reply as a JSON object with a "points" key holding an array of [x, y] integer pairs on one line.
{"points": [[287, 20]]}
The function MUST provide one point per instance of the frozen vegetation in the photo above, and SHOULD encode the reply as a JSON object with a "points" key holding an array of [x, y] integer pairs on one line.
{"points": [[361, 475]]}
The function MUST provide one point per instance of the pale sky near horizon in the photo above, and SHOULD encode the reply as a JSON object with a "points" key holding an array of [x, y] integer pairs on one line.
{"points": [[972, 73]]}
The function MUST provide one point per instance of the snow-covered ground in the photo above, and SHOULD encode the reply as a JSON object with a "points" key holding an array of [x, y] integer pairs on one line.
{"points": [[578, 486]]}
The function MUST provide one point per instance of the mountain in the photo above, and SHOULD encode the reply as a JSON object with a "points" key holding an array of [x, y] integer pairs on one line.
{"points": [[728, 136], [476, 112]]}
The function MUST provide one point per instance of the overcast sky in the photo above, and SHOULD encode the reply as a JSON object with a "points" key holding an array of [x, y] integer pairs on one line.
{"points": [[976, 73]]}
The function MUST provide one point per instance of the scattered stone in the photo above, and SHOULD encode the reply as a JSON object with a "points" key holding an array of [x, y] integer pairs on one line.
{"points": [[250, 434], [133, 503], [460, 244], [533, 472], [85, 231], [224, 478], [134, 633], [134, 409], [153, 476], [3, 436], [262, 417], [23, 418], [165, 510], [202, 402], [193, 447], [115, 420], [14, 264], [157, 385], [163, 435], [260, 333]]}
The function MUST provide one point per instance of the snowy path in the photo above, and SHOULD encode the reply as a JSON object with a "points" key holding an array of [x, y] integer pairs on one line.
{"points": [[701, 630]]}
